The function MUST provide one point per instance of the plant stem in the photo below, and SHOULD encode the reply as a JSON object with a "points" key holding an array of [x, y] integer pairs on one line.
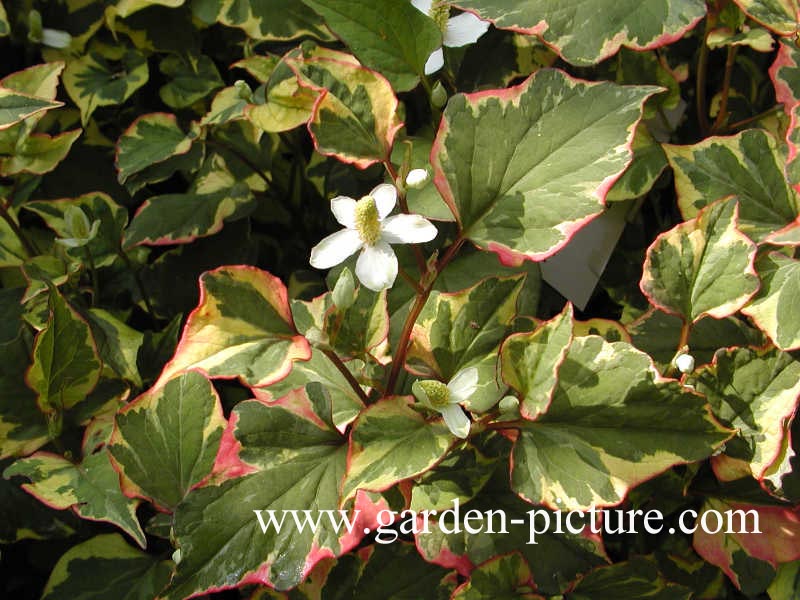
{"points": [[92, 274], [401, 199], [722, 115], [27, 246], [702, 71], [748, 120], [683, 342], [413, 315], [337, 362]]}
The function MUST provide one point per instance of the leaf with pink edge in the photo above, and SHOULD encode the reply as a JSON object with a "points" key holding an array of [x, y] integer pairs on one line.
{"points": [[241, 328], [775, 308], [781, 16], [503, 578], [526, 198], [584, 33]]}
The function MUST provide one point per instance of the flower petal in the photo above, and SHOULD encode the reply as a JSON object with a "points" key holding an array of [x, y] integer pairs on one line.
{"points": [[464, 29], [335, 248], [463, 385], [407, 229], [376, 267], [435, 62], [385, 196], [423, 6], [344, 209], [457, 422]]}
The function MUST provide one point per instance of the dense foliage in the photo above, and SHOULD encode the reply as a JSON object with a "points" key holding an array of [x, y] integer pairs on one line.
{"points": [[363, 256]]}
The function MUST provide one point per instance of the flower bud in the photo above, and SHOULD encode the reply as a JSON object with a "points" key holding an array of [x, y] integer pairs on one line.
{"points": [[438, 95], [509, 405], [685, 363], [344, 292], [417, 178]]}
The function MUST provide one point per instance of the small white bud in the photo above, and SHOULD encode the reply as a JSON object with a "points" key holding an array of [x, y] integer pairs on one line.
{"points": [[417, 178], [176, 556], [438, 95], [344, 292], [685, 363], [509, 405]]}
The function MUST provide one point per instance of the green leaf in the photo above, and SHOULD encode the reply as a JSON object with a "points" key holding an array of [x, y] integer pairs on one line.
{"points": [[503, 578], [165, 441], [23, 428], [746, 557], [39, 80], [346, 403], [394, 38], [191, 79], [286, 103], [125, 8], [15, 107], [637, 578], [530, 362], [780, 16], [775, 308], [149, 140], [5, 28], [355, 118], [748, 166], [90, 488], [785, 75], [586, 33], [785, 585], [106, 566], [459, 476], [555, 558], [65, 363], [527, 198], [117, 344], [464, 329], [12, 253], [703, 266], [658, 334], [295, 462], [390, 442], [273, 20], [182, 218], [96, 206], [39, 153], [649, 161], [241, 328], [106, 76], [755, 392], [609, 427]]}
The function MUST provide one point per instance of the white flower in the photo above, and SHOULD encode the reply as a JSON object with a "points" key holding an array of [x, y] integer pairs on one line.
{"points": [[457, 31], [447, 398], [367, 228], [685, 363]]}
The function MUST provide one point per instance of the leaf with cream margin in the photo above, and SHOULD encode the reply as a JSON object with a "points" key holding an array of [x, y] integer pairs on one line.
{"points": [[241, 328], [166, 440], [775, 308], [272, 20], [781, 16], [701, 267], [610, 425], [565, 143], [584, 33], [755, 392]]}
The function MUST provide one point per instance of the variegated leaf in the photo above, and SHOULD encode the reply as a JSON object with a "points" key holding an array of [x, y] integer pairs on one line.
{"points": [[149, 140], [648, 163], [106, 76], [506, 576], [785, 75], [781, 16], [392, 37], [525, 198], [390, 442], [165, 441], [355, 114], [15, 107], [755, 392], [90, 488], [585, 33], [283, 457], [126, 573], [125, 8], [242, 328], [5, 28], [775, 308], [272, 20], [635, 579], [286, 103], [65, 363], [738, 549], [748, 166], [530, 362], [703, 266], [612, 423], [38, 153]]}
